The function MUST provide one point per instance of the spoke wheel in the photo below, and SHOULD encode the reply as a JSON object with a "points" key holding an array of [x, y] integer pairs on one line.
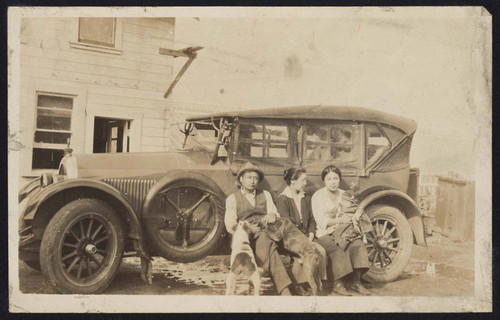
{"points": [[82, 247], [186, 223], [389, 244]]}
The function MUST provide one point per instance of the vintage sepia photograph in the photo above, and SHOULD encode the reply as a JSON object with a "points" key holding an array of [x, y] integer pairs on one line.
{"points": [[240, 159]]}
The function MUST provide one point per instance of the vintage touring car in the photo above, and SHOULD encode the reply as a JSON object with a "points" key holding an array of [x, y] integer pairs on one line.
{"points": [[77, 225]]}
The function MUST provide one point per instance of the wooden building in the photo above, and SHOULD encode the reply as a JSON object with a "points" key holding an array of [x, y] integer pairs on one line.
{"points": [[96, 82]]}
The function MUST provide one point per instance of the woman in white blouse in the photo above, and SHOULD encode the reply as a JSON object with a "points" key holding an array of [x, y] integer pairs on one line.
{"points": [[351, 261]]}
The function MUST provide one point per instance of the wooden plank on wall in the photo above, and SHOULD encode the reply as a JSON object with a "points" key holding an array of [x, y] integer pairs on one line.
{"points": [[147, 32], [63, 51], [114, 100], [150, 22], [127, 92], [152, 132], [149, 112], [162, 66], [42, 73], [99, 70], [152, 141], [153, 122]]}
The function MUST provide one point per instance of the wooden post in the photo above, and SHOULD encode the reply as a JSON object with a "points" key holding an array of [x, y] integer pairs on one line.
{"points": [[190, 53]]}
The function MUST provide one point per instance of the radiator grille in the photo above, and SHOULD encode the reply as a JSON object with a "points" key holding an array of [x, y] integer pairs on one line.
{"points": [[135, 190]]}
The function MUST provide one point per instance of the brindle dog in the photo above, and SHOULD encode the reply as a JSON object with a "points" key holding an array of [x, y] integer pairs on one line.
{"points": [[297, 243]]}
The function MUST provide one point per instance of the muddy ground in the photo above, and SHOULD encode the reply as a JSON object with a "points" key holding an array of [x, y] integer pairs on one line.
{"points": [[446, 268]]}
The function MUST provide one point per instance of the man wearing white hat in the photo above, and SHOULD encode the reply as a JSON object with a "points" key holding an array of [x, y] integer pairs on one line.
{"points": [[251, 203]]}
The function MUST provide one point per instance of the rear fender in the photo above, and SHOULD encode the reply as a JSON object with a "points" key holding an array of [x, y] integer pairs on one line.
{"points": [[98, 188], [403, 202]]}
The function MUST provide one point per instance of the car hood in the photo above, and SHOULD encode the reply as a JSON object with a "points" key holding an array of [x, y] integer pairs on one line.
{"points": [[140, 164]]}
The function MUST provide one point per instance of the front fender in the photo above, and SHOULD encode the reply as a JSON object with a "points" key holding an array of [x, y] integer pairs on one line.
{"points": [[406, 204], [75, 185]]}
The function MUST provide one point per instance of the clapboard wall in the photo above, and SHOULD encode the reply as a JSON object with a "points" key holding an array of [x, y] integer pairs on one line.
{"points": [[127, 81]]}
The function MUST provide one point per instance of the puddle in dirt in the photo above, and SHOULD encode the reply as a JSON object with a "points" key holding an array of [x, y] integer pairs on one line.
{"points": [[439, 269], [212, 278], [209, 275]]}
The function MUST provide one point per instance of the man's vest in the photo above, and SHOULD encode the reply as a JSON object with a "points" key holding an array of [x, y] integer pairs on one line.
{"points": [[244, 208]]}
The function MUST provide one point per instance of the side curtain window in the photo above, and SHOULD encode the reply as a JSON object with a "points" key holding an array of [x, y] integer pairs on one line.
{"points": [[263, 141], [338, 143], [376, 143]]}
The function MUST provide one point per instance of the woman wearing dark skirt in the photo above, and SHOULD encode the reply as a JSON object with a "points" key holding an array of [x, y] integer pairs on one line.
{"points": [[294, 204], [352, 260]]}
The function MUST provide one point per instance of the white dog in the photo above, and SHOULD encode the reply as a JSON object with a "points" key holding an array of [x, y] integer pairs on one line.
{"points": [[243, 259]]}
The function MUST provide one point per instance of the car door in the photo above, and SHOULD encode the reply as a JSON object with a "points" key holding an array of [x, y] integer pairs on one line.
{"points": [[270, 144]]}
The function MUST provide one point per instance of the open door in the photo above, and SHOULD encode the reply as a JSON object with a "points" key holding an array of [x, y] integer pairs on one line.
{"points": [[111, 135]]}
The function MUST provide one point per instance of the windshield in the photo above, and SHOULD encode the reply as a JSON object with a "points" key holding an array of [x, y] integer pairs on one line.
{"points": [[202, 137]]}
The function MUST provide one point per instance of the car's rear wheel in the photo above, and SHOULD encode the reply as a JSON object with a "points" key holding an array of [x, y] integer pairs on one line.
{"points": [[186, 222], [389, 244], [82, 247]]}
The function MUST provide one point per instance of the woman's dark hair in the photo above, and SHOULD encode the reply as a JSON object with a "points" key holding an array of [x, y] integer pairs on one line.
{"points": [[292, 173], [329, 169]]}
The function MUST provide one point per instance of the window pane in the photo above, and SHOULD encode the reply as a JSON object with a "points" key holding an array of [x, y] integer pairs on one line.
{"points": [[277, 133], [317, 152], [278, 150], [113, 146], [55, 102], [254, 141], [52, 137], [54, 112], [100, 31], [248, 131], [341, 135], [317, 134], [395, 135], [346, 143], [46, 158], [114, 132], [340, 143], [377, 143], [53, 123], [256, 150]]}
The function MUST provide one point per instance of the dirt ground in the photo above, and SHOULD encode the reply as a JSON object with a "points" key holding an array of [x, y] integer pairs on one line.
{"points": [[446, 268]]}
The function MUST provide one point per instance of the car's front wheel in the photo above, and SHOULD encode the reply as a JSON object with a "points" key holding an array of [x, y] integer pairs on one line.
{"points": [[82, 247], [389, 244], [33, 264]]}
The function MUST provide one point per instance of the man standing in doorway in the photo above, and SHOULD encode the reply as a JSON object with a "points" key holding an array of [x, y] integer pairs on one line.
{"points": [[251, 202]]}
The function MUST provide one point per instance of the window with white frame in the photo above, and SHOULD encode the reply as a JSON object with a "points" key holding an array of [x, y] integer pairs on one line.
{"points": [[103, 35], [52, 130], [97, 31]]}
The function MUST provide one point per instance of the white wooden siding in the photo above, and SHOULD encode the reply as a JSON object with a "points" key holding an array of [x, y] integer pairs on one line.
{"points": [[128, 83]]}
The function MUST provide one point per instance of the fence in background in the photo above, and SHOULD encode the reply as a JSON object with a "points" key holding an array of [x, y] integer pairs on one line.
{"points": [[448, 201]]}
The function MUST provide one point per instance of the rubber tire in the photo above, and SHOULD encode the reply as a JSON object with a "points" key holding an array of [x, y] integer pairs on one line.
{"points": [[173, 253], [34, 264], [404, 231], [53, 235]]}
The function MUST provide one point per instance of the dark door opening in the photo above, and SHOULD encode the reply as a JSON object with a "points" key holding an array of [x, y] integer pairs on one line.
{"points": [[111, 135]]}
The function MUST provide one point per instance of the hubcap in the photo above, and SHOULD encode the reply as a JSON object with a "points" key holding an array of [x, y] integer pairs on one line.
{"points": [[383, 243], [87, 248], [90, 249]]}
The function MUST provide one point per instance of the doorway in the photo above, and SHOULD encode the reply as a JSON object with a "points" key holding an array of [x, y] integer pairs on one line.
{"points": [[111, 135]]}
